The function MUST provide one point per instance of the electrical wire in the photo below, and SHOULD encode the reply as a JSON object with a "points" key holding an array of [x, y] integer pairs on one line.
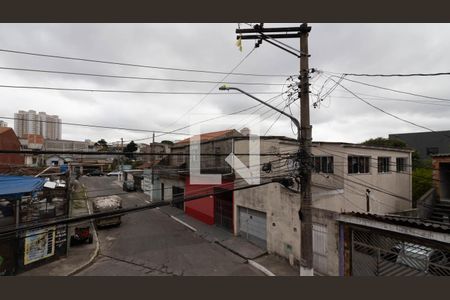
{"points": [[398, 74], [134, 65], [123, 91], [212, 89], [133, 77], [390, 114], [393, 90], [97, 126]]}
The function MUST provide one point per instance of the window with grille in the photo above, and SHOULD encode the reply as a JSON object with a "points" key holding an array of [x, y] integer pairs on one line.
{"points": [[358, 164], [323, 164], [383, 164], [401, 164]]}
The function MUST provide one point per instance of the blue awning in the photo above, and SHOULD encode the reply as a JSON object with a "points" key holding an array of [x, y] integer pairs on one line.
{"points": [[16, 186]]}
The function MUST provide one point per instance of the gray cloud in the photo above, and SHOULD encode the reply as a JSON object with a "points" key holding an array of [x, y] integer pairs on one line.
{"points": [[359, 48]]}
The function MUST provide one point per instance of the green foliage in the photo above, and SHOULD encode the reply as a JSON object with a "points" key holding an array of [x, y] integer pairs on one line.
{"points": [[131, 147], [422, 172], [421, 181], [167, 142], [101, 145], [383, 142]]}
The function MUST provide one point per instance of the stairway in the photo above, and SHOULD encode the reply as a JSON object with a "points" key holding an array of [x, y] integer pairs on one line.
{"points": [[441, 211]]}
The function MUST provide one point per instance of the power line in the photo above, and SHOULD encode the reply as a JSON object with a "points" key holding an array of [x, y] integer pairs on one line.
{"points": [[96, 126], [133, 77], [390, 114], [394, 90], [122, 211], [212, 89], [124, 153], [209, 119], [397, 74], [135, 65], [121, 91]]}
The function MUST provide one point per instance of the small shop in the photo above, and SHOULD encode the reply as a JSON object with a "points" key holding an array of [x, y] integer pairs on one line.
{"points": [[27, 200]]}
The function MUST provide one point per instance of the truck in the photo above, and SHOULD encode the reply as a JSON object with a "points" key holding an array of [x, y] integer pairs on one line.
{"points": [[108, 203]]}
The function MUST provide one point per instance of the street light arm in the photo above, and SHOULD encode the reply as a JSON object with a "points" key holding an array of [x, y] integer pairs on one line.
{"points": [[294, 120]]}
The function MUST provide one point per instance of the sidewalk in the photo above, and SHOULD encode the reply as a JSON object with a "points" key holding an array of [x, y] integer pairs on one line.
{"points": [[237, 245], [77, 256]]}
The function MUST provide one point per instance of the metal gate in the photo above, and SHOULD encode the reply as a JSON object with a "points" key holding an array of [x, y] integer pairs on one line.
{"points": [[252, 226], [320, 248], [374, 253], [223, 208]]}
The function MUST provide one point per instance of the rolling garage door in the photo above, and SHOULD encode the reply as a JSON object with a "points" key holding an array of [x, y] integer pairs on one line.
{"points": [[252, 226]]}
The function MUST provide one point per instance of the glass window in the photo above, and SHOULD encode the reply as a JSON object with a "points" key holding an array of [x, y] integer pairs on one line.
{"points": [[383, 164], [323, 164], [401, 164], [358, 164]]}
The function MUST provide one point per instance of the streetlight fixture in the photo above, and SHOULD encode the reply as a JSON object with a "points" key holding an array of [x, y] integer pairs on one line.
{"points": [[294, 120]]}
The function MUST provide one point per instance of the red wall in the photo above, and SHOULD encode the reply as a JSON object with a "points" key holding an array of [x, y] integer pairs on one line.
{"points": [[9, 141], [203, 208]]}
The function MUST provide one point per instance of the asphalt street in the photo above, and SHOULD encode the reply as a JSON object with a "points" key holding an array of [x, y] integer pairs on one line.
{"points": [[151, 243]]}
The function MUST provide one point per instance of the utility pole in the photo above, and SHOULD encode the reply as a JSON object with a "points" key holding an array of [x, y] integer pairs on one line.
{"points": [[272, 36], [121, 160], [305, 213], [152, 159]]}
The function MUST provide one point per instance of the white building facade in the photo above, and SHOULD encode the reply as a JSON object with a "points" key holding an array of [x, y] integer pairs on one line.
{"points": [[30, 122]]}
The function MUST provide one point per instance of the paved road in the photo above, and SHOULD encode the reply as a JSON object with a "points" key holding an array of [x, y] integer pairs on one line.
{"points": [[151, 243]]}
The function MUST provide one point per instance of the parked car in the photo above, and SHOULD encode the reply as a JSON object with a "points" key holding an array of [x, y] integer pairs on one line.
{"points": [[109, 203], [95, 173], [420, 257], [115, 173]]}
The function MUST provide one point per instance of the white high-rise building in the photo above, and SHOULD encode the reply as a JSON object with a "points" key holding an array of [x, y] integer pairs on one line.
{"points": [[30, 122]]}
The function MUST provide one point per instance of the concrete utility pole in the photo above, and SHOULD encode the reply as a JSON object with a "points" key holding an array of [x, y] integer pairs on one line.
{"points": [[271, 36], [152, 159], [121, 160], [305, 214]]}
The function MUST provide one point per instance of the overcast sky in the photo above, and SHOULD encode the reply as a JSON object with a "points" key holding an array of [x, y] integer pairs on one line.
{"points": [[355, 48]]}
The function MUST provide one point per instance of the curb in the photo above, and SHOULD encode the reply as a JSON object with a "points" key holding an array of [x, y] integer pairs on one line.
{"points": [[260, 267], [184, 223], [97, 244]]}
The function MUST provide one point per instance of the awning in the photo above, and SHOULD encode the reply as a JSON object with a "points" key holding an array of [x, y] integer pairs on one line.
{"points": [[16, 186]]}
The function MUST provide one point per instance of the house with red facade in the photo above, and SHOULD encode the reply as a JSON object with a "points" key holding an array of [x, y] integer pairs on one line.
{"points": [[9, 141]]}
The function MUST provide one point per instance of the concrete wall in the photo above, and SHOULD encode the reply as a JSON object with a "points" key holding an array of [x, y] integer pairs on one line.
{"points": [[281, 208], [380, 184], [154, 190], [329, 219]]}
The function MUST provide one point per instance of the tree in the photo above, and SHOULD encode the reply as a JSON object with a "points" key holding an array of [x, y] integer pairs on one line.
{"points": [[394, 143], [131, 147], [101, 145], [383, 142], [167, 142], [421, 171]]}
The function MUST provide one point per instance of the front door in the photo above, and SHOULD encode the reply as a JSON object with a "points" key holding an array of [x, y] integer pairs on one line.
{"points": [[178, 197]]}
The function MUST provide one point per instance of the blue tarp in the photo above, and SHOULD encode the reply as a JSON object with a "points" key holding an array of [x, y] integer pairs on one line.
{"points": [[16, 186]]}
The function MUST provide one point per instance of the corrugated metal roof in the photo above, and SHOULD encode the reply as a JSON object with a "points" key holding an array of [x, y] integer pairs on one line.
{"points": [[405, 221]]}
